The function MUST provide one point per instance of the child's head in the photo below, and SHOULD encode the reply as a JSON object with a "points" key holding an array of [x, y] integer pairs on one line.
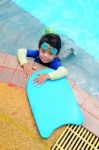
{"points": [[49, 47]]}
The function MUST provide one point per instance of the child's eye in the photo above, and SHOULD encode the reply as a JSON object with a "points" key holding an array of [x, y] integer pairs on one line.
{"points": [[51, 53], [43, 51]]}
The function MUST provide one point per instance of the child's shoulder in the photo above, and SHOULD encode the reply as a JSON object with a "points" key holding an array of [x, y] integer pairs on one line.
{"points": [[56, 59], [56, 63], [32, 53]]}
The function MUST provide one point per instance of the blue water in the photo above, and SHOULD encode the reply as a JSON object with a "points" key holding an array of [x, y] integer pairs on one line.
{"points": [[77, 19]]}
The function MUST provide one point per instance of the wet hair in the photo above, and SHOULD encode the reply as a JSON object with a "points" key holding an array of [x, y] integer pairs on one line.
{"points": [[52, 39]]}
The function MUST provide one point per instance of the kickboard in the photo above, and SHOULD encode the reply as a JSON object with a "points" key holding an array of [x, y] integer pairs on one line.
{"points": [[53, 104]]}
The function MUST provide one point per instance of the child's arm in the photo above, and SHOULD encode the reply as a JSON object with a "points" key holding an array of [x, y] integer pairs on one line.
{"points": [[54, 75], [59, 73], [22, 55]]}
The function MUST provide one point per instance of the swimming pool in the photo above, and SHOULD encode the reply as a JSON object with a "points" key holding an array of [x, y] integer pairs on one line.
{"points": [[77, 19], [21, 29]]}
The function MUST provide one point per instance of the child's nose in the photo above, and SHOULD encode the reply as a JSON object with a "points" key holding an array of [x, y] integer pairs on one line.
{"points": [[46, 54]]}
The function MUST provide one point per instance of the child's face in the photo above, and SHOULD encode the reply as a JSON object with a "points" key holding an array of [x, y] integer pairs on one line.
{"points": [[47, 53]]}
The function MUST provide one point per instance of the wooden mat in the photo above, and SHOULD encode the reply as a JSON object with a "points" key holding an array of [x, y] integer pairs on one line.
{"points": [[17, 126]]}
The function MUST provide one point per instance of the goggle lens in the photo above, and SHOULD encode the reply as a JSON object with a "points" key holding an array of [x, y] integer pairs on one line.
{"points": [[46, 46]]}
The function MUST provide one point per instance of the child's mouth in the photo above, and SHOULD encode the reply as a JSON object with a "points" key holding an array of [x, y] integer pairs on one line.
{"points": [[44, 60]]}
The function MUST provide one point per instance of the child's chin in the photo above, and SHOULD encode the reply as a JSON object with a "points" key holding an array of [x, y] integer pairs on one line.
{"points": [[45, 61]]}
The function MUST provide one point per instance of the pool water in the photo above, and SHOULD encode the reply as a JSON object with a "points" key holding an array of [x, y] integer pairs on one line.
{"points": [[77, 19], [22, 27]]}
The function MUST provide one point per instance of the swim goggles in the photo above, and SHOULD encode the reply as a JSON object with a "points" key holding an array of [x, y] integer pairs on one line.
{"points": [[45, 46]]}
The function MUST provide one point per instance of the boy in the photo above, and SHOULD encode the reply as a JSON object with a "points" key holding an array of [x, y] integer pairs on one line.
{"points": [[47, 55]]}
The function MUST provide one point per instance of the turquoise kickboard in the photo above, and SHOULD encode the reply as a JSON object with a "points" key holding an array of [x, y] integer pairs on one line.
{"points": [[53, 104]]}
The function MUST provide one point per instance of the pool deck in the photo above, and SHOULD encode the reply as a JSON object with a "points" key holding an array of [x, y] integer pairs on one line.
{"points": [[12, 73]]}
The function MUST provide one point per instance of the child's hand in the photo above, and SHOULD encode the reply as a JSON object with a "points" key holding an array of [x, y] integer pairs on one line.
{"points": [[41, 78], [28, 69]]}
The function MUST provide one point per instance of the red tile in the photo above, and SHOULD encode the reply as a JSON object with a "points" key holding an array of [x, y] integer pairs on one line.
{"points": [[92, 106], [11, 62], [91, 123]]}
